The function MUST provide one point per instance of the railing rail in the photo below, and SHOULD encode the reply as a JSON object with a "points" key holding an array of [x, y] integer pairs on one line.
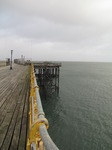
{"points": [[38, 126]]}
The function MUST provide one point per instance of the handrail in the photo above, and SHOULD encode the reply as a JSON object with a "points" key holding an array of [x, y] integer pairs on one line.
{"points": [[48, 143], [38, 100], [38, 137]]}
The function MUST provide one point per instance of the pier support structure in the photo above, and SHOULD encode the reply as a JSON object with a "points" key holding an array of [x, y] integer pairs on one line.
{"points": [[48, 76]]}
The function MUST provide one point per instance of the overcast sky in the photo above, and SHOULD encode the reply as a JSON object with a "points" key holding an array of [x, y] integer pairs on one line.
{"points": [[67, 30]]}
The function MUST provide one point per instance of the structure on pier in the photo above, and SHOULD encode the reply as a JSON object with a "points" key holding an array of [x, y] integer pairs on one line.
{"points": [[47, 74], [5, 62]]}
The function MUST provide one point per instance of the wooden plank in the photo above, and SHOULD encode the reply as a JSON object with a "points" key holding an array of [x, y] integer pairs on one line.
{"points": [[17, 132], [13, 107], [23, 135]]}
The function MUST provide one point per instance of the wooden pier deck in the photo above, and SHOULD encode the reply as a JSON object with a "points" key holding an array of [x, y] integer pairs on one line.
{"points": [[14, 95]]}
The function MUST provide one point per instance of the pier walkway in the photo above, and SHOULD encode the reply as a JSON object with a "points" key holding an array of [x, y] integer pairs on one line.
{"points": [[14, 94]]}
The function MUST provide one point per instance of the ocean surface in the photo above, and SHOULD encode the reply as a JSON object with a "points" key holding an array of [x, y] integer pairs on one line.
{"points": [[80, 118]]}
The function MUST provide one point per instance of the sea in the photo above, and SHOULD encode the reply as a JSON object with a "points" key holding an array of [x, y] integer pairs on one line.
{"points": [[80, 117]]}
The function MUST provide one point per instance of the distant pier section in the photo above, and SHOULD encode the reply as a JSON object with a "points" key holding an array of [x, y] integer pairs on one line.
{"points": [[50, 68], [5, 62], [47, 74]]}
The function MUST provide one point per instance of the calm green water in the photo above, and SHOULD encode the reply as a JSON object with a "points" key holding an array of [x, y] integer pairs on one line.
{"points": [[80, 117]]}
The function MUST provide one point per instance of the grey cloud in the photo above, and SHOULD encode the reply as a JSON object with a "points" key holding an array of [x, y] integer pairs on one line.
{"points": [[66, 29]]}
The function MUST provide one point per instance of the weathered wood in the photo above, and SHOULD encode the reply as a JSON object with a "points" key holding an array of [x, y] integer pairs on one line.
{"points": [[14, 93], [22, 142], [12, 125], [16, 134]]}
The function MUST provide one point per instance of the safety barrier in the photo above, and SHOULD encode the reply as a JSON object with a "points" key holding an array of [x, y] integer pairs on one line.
{"points": [[38, 137]]}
